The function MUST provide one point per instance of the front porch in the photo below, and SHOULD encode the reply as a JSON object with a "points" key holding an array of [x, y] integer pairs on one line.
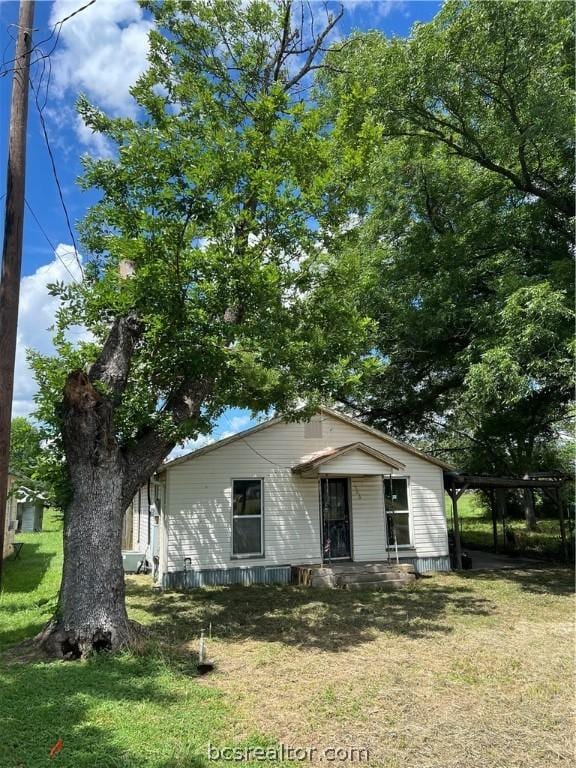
{"points": [[364, 505]]}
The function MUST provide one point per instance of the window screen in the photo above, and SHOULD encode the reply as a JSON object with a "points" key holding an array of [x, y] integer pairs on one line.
{"points": [[397, 511], [247, 517]]}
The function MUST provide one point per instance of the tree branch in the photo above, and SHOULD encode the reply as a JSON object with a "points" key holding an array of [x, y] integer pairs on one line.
{"points": [[313, 50], [112, 366]]}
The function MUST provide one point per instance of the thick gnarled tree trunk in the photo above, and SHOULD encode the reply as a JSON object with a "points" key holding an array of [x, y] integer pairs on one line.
{"points": [[91, 612], [104, 477]]}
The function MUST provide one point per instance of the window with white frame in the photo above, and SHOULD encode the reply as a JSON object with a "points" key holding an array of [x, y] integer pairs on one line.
{"points": [[397, 511], [247, 518]]}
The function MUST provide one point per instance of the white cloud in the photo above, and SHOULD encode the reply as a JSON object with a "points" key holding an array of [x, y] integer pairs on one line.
{"points": [[99, 144], [237, 424], [190, 445], [37, 312], [101, 52], [379, 9]]}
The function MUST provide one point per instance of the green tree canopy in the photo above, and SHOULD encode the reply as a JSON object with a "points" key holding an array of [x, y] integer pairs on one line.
{"points": [[458, 146], [212, 202], [25, 447], [210, 281]]}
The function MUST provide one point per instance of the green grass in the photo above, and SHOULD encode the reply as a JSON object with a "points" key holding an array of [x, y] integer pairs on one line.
{"points": [[388, 672], [31, 583], [128, 711], [476, 530]]}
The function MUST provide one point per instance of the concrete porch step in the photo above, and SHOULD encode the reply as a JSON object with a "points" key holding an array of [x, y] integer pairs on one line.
{"points": [[352, 568], [355, 575], [389, 584], [370, 577]]}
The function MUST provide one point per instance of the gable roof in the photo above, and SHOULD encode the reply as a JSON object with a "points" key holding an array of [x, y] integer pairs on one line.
{"points": [[323, 457], [279, 420]]}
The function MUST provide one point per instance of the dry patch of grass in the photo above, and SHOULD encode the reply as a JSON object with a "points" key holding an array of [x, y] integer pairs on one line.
{"points": [[463, 670]]}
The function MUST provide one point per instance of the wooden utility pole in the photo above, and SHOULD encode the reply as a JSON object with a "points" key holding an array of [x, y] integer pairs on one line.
{"points": [[12, 250]]}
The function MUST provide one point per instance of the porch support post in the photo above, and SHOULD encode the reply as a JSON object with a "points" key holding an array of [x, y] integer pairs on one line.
{"points": [[382, 478]]}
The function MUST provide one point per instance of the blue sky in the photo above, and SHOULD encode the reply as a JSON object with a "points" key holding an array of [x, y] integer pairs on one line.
{"points": [[100, 52]]}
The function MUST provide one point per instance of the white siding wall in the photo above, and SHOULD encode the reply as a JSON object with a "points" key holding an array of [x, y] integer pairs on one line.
{"points": [[140, 521], [199, 501]]}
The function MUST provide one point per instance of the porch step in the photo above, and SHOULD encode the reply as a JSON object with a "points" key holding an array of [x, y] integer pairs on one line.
{"points": [[355, 575], [384, 585], [373, 577], [371, 568]]}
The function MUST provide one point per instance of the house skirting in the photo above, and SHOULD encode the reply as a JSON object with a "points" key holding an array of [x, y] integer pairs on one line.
{"points": [[269, 574], [427, 564], [244, 575]]}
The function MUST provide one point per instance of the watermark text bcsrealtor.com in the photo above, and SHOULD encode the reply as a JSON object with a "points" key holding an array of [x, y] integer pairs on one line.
{"points": [[284, 753]]}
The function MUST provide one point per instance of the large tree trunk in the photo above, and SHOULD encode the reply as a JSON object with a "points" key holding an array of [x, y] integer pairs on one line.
{"points": [[104, 476], [91, 612]]}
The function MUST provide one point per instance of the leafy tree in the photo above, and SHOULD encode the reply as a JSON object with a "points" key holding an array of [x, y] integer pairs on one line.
{"points": [[458, 146], [209, 285], [25, 447]]}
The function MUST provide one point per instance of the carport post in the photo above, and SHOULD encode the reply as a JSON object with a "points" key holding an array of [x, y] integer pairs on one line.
{"points": [[457, 544], [562, 523], [494, 521], [501, 503]]}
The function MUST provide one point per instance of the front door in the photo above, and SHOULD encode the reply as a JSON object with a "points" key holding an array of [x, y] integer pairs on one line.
{"points": [[335, 505]]}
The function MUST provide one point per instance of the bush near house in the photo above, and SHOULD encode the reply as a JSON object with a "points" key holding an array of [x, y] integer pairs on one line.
{"points": [[377, 671]]}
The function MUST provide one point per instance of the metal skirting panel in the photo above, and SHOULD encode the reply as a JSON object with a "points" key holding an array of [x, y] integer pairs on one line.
{"points": [[261, 574], [212, 577], [427, 564]]}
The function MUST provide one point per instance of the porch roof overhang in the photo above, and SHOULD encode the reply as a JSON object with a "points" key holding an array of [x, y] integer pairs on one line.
{"points": [[319, 463]]}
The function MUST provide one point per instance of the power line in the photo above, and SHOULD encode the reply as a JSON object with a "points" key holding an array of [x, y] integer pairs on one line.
{"points": [[45, 58], [254, 450], [55, 174], [57, 25], [49, 241]]}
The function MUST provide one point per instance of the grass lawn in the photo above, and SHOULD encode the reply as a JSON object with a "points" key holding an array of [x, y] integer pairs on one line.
{"points": [[467, 670], [476, 530]]}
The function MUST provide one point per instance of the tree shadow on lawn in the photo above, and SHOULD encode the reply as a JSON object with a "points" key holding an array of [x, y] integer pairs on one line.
{"points": [[331, 620], [110, 712], [25, 572], [20, 632], [542, 580]]}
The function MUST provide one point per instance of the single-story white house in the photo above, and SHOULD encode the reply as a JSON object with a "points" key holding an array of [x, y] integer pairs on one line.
{"points": [[248, 508]]}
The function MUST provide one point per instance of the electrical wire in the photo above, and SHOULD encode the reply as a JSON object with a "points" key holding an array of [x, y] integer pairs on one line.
{"points": [[55, 175], [47, 65], [49, 241], [57, 26]]}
